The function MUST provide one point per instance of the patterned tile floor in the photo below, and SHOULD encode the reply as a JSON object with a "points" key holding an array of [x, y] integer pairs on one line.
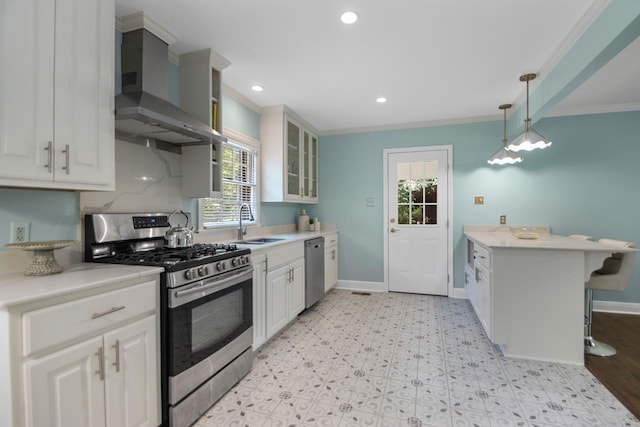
{"points": [[406, 360]]}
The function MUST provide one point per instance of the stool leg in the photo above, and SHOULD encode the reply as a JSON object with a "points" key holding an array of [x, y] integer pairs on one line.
{"points": [[592, 346]]}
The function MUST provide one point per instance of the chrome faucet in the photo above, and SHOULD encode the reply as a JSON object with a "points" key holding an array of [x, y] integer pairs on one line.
{"points": [[242, 232]]}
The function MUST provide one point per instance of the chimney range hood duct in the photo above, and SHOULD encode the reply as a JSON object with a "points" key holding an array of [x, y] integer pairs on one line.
{"points": [[142, 110]]}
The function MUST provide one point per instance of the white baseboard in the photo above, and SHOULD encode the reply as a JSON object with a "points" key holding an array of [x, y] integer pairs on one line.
{"points": [[616, 307], [355, 285], [459, 293]]}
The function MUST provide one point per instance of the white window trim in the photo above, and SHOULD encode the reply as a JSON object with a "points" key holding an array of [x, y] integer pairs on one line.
{"points": [[253, 144]]}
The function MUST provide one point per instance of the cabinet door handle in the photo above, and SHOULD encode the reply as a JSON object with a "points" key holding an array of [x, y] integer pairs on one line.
{"points": [[333, 254], [289, 276], [293, 275], [49, 149], [116, 347], [104, 313], [100, 370], [66, 159]]}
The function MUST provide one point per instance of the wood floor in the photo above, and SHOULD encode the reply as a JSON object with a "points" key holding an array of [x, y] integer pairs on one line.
{"points": [[619, 373]]}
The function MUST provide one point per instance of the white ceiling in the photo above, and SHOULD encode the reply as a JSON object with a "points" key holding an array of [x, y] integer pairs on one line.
{"points": [[433, 59]]}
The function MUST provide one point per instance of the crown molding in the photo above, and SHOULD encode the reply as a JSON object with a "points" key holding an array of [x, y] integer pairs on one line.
{"points": [[232, 93], [139, 20], [412, 125]]}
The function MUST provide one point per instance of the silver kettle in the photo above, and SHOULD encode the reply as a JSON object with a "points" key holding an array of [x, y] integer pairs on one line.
{"points": [[179, 236]]}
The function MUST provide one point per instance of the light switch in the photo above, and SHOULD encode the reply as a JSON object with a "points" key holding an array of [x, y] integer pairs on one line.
{"points": [[478, 200], [371, 202]]}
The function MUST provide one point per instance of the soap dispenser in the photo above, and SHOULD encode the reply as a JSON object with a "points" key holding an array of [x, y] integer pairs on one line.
{"points": [[303, 221]]}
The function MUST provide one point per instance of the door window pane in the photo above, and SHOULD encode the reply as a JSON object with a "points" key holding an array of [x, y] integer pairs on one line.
{"points": [[418, 192]]}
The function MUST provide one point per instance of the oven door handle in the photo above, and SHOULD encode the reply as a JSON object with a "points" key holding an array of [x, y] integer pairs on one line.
{"points": [[214, 285]]}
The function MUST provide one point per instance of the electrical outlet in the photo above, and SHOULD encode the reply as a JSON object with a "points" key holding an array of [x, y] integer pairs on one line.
{"points": [[503, 219], [20, 232]]}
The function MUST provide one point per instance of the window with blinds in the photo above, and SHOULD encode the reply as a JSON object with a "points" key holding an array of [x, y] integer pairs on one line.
{"points": [[238, 187]]}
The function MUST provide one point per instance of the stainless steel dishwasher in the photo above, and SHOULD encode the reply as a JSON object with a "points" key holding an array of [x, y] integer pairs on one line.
{"points": [[314, 270]]}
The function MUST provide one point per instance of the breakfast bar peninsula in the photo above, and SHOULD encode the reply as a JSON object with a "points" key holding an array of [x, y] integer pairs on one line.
{"points": [[529, 292]]}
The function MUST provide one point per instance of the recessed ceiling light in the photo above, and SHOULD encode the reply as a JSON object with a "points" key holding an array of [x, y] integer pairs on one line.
{"points": [[349, 17], [257, 88], [381, 100]]}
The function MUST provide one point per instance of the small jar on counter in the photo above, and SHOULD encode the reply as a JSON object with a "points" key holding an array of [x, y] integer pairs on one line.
{"points": [[303, 221]]}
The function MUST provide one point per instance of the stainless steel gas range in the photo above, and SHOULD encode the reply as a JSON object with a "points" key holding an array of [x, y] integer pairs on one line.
{"points": [[206, 307]]}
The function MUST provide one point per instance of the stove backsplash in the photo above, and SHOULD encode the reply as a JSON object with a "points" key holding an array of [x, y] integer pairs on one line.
{"points": [[147, 180]]}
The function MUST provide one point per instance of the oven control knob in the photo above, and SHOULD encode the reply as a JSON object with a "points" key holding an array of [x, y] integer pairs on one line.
{"points": [[234, 262], [220, 266], [247, 260], [201, 271], [187, 275]]}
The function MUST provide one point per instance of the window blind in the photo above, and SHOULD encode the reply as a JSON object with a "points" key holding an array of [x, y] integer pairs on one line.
{"points": [[238, 186]]}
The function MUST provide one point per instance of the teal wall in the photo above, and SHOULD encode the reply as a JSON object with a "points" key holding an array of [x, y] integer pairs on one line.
{"points": [[53, 214], [239, 117], [586, 183]]}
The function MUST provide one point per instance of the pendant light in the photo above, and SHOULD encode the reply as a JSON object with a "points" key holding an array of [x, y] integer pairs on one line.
{"points": [[503, 156], [529, 139]]}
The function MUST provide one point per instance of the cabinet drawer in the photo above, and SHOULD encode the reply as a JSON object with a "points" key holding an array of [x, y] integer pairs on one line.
{"points": [[482, 257], [64, 322], [331, 240], [284, 254]]}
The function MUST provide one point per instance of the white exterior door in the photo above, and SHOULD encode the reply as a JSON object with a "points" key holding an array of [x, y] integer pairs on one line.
{"points": [[417, 221]]}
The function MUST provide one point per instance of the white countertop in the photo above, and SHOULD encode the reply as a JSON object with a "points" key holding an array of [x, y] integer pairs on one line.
{"points": [[16, 288], [501, 237], [286, 238]]}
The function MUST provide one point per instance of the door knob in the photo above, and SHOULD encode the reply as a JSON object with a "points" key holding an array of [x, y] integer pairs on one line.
{"points": [[393, 230]]}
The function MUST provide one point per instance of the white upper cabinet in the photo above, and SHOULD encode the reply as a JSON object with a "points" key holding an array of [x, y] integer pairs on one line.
{"points": [[289, 151], [56, 80]]}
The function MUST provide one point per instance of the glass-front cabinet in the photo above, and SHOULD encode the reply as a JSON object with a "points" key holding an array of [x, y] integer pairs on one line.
{"points": [[289, 155], [293, 158]]}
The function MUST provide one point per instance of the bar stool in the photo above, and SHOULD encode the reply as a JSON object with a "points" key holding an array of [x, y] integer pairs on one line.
{"points": [[614, 275]]}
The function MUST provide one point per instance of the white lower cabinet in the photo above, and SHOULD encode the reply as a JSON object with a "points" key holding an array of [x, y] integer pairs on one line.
{"points": [[62, 388], [89, 361], [478, 284], [105, 381], [259, 262], [277, 290], [131, 378], [330, 261], [285, 294]]}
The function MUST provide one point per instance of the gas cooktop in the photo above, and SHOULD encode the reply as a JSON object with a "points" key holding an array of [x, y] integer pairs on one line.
{"points": [[173, 259]]}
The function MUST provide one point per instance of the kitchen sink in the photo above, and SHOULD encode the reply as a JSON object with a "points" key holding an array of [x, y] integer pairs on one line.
{"points": [[260, 241]]}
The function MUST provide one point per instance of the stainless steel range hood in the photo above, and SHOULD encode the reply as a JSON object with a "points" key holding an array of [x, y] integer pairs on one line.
{"points": [[142, 111]]}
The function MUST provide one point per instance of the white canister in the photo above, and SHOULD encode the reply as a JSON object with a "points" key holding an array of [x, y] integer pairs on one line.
{"points": [[303, 221], [316, 222]]}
